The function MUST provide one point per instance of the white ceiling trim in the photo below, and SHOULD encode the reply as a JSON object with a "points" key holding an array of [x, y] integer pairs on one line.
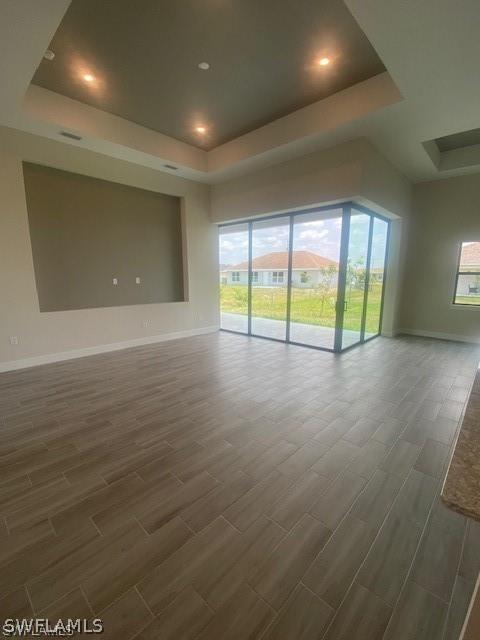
{"points": [[47, 113]]}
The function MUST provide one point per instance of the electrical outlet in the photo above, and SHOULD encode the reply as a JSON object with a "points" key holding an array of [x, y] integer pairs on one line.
{"points": [[137, 280], [14, 340], [115, 281]]}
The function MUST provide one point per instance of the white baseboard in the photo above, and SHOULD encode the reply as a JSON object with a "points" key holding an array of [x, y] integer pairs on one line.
{"points": [[440, 336], [389, 334], [23, 363]]}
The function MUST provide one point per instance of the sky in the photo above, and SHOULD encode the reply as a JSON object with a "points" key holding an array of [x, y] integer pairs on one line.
{"points": [[318, 236]]}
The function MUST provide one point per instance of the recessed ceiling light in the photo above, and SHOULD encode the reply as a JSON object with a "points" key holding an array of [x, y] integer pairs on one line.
{"points": [[49, 54], [88, 77], [204, 66], [201, 129], [324, 61]]}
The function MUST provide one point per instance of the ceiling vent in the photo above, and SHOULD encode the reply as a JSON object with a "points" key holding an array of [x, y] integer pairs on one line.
{"points": [[72, 136]]}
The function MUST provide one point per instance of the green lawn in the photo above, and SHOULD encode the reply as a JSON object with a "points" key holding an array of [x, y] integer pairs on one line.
{"points": [[307, 305], [473, 300]]}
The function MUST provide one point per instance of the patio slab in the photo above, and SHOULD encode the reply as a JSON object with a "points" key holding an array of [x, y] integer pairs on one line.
{"points": [[309, 334]]}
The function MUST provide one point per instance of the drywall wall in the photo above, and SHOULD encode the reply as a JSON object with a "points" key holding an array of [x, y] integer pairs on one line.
{"points": [[326, 176], [97, 243], [352, 170], [46, 333], [444, 213]]}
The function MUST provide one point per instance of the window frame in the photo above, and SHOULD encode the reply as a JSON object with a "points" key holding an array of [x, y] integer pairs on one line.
{"points": [[275, 277], [255, 277], [235, 276], [459, 273]]}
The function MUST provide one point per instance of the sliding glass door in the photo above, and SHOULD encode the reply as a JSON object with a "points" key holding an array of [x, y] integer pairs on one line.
{"points": [[233, 267], [314, 282], [269, 275], [356, 276], [314, 278], [373, 313]]}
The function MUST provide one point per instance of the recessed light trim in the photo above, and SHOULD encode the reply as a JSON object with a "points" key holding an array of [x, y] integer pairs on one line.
{"points": [[49, 54], [204, 66]]}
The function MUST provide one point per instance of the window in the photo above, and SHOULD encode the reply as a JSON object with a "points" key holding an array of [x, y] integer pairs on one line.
{"points": [[467, 284], [255, 276], [304, 277], [235, 276], [277, 277]]}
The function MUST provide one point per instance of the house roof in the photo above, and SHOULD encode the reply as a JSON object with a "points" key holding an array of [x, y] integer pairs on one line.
{"points": [[279, 260], [471, 254]]}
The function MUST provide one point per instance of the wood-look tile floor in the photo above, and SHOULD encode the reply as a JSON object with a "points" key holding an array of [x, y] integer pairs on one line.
{"points": [[225, 487]]}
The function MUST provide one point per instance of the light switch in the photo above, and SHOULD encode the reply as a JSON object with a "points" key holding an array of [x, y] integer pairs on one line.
{"points": [[115, 281], [137, 280]]}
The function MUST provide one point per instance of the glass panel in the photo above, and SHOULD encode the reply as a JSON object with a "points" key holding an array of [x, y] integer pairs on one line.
{"points": [[468, 283], [468, 289], [270, 240], [233, 257], [376, 277], [355, 278], [470, 257], [315, 261]]}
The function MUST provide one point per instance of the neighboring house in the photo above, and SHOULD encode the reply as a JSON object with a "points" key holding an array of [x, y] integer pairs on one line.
{"points": [[271, 270], [470, 261]]}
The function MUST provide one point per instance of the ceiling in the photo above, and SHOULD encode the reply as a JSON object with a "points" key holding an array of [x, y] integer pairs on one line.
{"points": [[263, 55], [430, 50], [458, 140]]}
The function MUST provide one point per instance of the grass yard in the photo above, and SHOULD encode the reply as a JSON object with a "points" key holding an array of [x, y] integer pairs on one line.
{"points": [[307, 306], [473, 300]]}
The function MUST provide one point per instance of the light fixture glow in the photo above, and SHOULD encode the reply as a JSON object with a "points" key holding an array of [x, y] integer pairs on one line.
{"points": [[324, 61], [88, 77], [204, 66], [201, 129]]}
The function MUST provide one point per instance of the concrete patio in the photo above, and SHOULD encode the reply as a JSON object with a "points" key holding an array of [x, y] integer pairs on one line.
{"points": [[308, 334]]}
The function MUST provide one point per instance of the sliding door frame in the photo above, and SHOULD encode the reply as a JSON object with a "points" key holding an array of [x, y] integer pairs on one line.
{"points": [[374, 215], [250, 277], [346, 208], [342, 277]]}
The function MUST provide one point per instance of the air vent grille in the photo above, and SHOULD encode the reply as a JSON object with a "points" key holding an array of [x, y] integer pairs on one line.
{"points": [[73, 136]]}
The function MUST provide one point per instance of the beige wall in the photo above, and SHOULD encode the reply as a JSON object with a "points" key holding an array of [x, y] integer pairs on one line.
{"points": [[352, 170], [326, 176], [444, 213], [46, 333]]}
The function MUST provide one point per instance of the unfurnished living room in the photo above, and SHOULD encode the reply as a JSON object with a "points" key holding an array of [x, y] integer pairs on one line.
{"points": [[240, 319]]}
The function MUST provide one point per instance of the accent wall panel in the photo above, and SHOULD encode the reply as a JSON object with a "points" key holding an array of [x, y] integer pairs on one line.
{"points": [[85, 232]]}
